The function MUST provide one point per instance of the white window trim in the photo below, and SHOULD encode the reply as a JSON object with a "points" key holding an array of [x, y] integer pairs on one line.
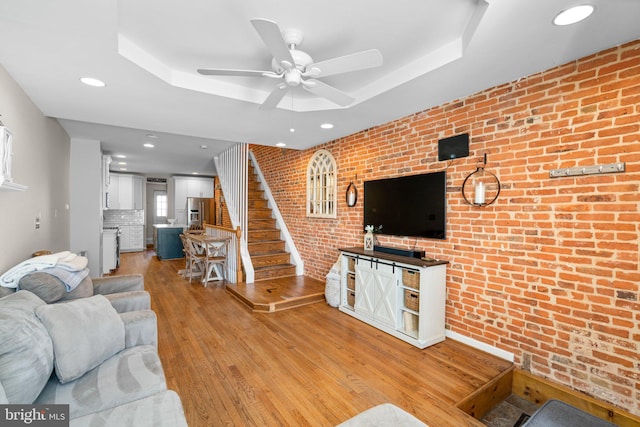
{"points": [[322, 185]]}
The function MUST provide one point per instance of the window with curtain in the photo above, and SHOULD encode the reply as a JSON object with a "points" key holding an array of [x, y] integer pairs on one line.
{"points": [[321, 185]]}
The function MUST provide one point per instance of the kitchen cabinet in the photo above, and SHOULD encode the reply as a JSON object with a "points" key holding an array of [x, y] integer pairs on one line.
{"points": [[138, 192], [114, 190], [200, 188], [167, 242], [402, 296], [131, 238], [136, 237], [106, 162], [109, 251], [185, 187], [126, 191]]}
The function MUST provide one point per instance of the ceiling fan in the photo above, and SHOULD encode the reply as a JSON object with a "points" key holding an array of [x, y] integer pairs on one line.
{"points": [[296, 68]]}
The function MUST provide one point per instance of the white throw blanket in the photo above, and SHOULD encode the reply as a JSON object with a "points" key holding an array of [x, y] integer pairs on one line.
{"points": [[65, 260]]}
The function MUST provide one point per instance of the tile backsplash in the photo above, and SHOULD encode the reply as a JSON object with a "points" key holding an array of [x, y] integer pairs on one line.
{"points": [[113, 217]]}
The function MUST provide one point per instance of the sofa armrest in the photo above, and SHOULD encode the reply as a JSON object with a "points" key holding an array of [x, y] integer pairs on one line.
{"points": [[140, 328], [130, 301], [114, 284]]}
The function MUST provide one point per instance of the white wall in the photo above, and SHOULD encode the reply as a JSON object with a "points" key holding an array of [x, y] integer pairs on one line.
{"points": [[86, 202], [41, 150]]}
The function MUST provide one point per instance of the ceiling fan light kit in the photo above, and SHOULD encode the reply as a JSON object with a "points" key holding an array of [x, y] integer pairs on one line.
{"points": [[297, 68]]}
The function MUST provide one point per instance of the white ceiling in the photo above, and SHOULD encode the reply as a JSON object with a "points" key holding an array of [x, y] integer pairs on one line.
{"points": [[147, 51]]}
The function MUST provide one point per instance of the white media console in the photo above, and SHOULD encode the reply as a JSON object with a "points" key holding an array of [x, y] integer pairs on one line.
{"points": [[402, 296]]}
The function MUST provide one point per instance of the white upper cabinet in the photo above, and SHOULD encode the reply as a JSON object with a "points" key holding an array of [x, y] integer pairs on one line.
{"points": [[126, 191], [185, 187], [199, 187]]}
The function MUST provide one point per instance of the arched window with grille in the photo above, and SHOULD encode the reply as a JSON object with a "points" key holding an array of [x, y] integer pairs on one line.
{"points": [[321, 185]]}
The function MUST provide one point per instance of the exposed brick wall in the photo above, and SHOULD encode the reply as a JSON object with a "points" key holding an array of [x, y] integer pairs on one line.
{"points": [[550, 270]]}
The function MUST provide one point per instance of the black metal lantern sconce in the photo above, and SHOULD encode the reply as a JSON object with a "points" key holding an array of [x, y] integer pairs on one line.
{"points": [[482, 181], [352, 194]]}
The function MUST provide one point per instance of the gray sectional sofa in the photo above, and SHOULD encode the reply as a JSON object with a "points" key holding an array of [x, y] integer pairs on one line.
{"points": [[97, 353]]}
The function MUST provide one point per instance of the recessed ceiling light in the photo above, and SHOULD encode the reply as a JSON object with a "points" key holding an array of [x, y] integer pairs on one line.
{"points": [[292, 130], [90, 81], [123, 169], [194, 173], [281, 144], [150, 135], [326, 126], [573, 15], [148, 145], [204, 147], [120, 156], [122, 163]]}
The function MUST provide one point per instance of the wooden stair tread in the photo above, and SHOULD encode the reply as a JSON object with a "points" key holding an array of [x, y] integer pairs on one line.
{"points": [[274, 267], [265, 242], [264, 257]]}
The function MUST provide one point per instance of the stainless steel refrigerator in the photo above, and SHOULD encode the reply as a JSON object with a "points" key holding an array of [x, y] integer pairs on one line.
{"points": [[200, 210]]}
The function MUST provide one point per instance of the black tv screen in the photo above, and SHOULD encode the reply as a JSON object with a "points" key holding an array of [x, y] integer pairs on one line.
{"points": [[413, 205]]}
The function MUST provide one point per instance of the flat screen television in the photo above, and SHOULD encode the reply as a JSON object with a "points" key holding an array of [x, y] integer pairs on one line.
{"points": [[413, 205]]}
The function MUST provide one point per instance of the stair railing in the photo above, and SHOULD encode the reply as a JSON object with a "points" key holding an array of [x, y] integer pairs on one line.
{"points": [[296, 259], [232, 167]]}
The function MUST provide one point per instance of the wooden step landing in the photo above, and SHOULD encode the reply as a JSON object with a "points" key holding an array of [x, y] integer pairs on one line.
{"points": [[268, 296]]}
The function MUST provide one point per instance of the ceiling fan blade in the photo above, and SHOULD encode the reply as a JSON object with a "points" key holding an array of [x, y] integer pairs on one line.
{"points": [[241, 73], [272, 37], [345, 64], [275, 97], [331, 93]]}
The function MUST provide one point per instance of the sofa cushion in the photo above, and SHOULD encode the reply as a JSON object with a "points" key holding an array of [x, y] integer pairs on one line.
{"points": [[132, 374], [85, 332], [6, 291], [160, 410], [51, 289], [83, 290], [26, 353]]}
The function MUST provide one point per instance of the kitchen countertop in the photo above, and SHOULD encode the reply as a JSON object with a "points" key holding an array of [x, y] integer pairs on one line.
{"points": [[169, 225]]}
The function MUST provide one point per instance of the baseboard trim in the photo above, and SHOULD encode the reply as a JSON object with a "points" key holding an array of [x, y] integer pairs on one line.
{"points": [[502, 354]]}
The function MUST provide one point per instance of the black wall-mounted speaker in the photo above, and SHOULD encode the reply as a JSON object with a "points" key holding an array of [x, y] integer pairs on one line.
{"points": [[453, 147]]}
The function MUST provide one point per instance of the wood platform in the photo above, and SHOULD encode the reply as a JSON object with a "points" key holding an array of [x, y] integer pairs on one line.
{"points": [[268, 296]]}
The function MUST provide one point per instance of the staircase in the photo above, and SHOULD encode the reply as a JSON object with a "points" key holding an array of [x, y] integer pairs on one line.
{"points": [[267, 250]]}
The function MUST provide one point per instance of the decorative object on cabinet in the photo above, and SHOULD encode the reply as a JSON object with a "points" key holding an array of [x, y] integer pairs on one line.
{"points": [[352, 194], [368, 241], [369, 238], [6, 154], [483, 182]]}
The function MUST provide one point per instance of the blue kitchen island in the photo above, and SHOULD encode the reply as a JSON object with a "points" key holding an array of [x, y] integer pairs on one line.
{"points": [[166, 239]]}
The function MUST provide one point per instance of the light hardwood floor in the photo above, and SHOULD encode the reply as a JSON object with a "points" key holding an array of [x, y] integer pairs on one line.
{"points": [[308, 366]]}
